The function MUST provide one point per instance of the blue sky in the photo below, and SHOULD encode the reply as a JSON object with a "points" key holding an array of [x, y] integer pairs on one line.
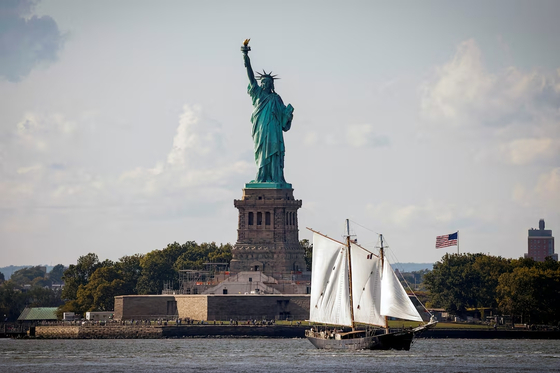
{"points": [[125, 126]]}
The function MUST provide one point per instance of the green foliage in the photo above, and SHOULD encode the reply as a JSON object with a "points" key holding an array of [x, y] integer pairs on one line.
{"points": [[308, 248], [91, 285], [549, 263], [55, 275], [42, 297], [79, 274], [130, 269], [2, 278], [99, 293], [68, 306], [193, 256], [13, 300], [461, 281], [414, 279], [533, 293], [222, 254], [158, 267], [521, 287], [26, 276]]}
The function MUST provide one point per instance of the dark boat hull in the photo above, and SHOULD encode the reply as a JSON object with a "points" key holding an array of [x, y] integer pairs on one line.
{"points": [[367, 340], [391, 341]]}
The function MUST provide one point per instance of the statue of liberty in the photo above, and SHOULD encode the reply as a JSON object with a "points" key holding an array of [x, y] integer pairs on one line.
{"points": [[270, 117]]}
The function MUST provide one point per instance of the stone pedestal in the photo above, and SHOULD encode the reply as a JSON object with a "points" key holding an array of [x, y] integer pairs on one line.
{"points": [[267, 234]]}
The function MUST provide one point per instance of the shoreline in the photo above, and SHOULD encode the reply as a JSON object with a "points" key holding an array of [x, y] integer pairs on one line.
{"points": [[251, 331]]}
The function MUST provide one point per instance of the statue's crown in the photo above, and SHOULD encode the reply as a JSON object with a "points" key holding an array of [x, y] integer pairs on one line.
{"points": [[266, 75]]}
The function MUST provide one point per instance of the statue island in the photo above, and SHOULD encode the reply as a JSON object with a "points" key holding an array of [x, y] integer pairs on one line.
{"points": [[267, 234]]}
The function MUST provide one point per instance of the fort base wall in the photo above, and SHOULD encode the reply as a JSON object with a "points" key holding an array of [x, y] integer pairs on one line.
{"points": [[141, 307], [212, 307], [97, 332]]}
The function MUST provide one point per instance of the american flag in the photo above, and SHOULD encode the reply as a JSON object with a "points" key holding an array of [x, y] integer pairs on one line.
{"points": [[447, 240]]}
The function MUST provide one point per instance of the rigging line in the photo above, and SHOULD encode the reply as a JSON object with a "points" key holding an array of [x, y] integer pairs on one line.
{"points": [[400, 272], [365, 227], [324, 235], [393, 256], [415, 296], [406, 282]]}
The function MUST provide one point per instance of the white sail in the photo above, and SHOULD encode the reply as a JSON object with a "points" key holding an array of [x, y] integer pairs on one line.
{"points": [[330, 301], [366, 287], [394, 300]]}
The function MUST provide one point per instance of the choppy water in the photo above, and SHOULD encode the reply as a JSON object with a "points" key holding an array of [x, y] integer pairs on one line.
{"points": [[274, 355]]}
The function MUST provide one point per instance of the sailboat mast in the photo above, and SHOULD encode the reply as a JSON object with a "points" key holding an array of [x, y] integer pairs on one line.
{"points": [[350, 271], [382, 256]]}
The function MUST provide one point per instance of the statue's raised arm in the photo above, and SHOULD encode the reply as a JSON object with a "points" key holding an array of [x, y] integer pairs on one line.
{"points": [[245, 48]]}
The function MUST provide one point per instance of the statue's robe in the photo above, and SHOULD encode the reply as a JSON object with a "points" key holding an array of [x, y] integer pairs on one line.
{"points": [[269, 119]]}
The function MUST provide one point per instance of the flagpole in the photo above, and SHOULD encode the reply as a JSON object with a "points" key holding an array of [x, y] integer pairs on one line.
{"points": [[457, 242]]}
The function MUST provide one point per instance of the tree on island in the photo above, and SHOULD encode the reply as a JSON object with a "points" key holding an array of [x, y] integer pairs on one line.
{"points": [[28, 287], [531, 291], [308, 253], [91, 285], [521, 287], [55, 275], [30, 276], [458, 282]]}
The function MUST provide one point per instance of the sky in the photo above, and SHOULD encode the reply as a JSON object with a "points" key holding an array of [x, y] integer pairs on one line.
{"points": [[125, 125]]}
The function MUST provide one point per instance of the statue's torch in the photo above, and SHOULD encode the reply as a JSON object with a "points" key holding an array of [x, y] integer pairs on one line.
{"points": [[245, 48]]}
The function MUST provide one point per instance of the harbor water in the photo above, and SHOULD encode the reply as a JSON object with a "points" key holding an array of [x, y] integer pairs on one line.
{"points": [[273, 355]]}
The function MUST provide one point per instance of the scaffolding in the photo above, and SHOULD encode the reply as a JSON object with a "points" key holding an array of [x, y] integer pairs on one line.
{"points": [[199, 281], [195, 281]]}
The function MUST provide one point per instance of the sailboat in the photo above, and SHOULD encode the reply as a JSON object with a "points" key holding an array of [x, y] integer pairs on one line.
{"points": [[351, 285]]}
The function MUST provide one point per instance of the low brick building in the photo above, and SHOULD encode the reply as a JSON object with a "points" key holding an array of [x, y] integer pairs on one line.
{"points": [[213, 307]]}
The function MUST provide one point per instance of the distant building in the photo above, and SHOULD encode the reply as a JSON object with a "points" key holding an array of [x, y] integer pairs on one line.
{"points": [[540, 243]]}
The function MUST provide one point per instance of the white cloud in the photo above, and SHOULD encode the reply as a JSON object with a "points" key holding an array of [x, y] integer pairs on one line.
{"points": [[25, 170], [548, 188], [310, 138], [526, 151], [362, 135], [435, 215], [465, 93], [404, 215], [545, 194], [516, 112], [195, 160], [40, 131], [519, 194], [195, 136], [196, 168]]}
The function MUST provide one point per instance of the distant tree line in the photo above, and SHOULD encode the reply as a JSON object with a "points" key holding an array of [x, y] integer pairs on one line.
{"points": [[29, 287], [413, 279], [521, 288], [527, 290], [91, 284]]}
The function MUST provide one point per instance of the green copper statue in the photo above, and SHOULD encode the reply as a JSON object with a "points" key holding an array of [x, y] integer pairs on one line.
{"points": [[270, 117]]}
